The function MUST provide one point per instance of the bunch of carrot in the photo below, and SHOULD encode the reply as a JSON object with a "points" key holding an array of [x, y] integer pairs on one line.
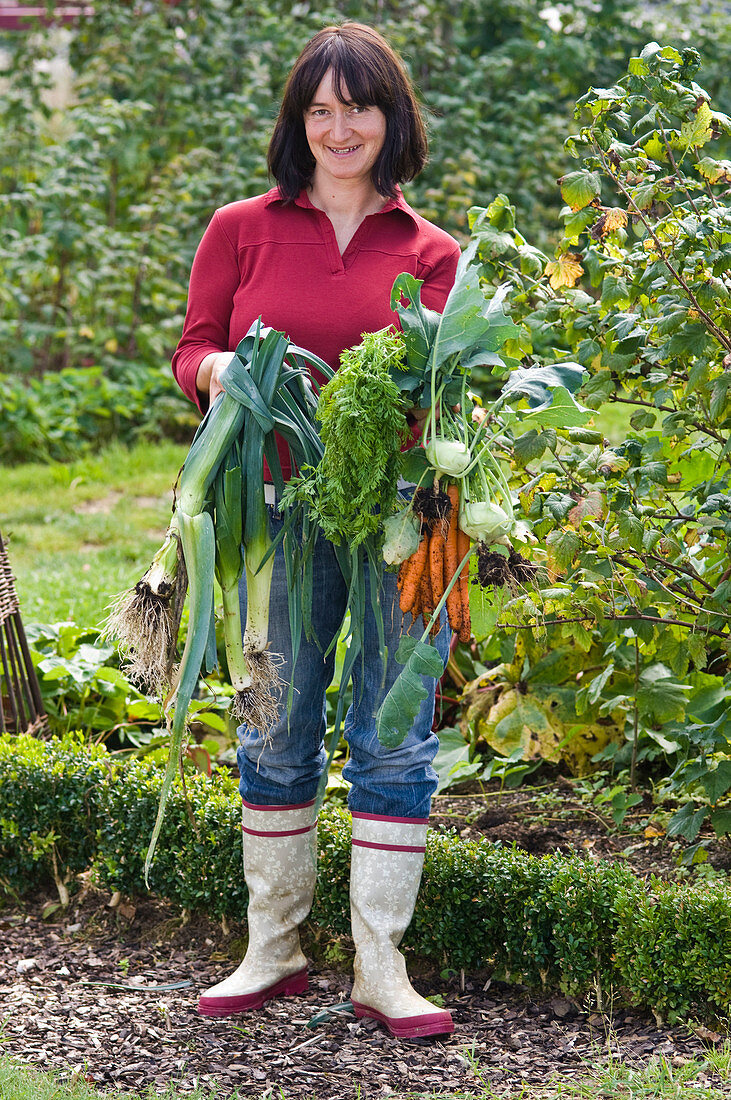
{"points": [[423, 577]]}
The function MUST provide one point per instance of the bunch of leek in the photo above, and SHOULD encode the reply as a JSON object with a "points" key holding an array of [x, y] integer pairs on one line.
{"points": [[221, 524]]}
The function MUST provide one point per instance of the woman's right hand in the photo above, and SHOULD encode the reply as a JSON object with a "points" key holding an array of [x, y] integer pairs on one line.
{"points": [[207, 380]]}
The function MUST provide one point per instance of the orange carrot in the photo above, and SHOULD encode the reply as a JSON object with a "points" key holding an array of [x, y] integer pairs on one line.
{"points": [[424, 605], [436, 563], [413, 569], [463, 545], [451, 561]]}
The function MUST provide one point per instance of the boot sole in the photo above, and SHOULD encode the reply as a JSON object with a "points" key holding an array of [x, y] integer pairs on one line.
{"points": [[408, 1027], [245, 1002]]}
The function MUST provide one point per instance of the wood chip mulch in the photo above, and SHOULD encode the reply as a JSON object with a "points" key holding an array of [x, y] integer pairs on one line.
{"points": [[90, 991]]}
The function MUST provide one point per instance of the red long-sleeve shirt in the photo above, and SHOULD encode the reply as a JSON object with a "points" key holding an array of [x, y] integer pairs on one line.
{"points": [[262, 257]]}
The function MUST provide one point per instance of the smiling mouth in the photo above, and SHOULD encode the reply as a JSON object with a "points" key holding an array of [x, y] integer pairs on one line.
{"points": [[343, 152]]}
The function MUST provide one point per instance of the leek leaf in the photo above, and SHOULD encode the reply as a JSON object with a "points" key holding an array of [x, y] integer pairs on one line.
{"points": [[198, 541]]}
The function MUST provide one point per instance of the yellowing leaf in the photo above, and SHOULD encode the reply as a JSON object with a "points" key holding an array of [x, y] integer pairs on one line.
{"points": [[592, 504], [714, 170], [652, 831], [696, 131], [565, 271], [614, 219], [562, 547], [654, 148]]}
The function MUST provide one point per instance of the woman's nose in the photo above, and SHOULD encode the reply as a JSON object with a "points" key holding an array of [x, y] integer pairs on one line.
{"points": [[341, 126]]}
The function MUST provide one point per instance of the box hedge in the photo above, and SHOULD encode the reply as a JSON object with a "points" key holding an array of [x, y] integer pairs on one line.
{"points": [[559, 922]]}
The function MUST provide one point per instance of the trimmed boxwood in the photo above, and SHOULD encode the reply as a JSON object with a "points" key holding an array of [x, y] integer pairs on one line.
{"points": [[50, 800], [556, 922], [673, 948]]}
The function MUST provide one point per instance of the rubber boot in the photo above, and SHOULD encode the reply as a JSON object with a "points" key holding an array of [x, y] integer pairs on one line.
{"points": [[280, 844], [387, 860]]}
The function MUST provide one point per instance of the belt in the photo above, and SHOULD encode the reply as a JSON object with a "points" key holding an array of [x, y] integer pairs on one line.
{"points": [[270, 496]]}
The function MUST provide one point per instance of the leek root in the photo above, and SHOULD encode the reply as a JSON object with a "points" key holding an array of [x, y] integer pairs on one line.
{"points": [[145, 619]]}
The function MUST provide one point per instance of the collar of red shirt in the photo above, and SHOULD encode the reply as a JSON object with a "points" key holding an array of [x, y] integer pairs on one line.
{"points": [[303, 200]]}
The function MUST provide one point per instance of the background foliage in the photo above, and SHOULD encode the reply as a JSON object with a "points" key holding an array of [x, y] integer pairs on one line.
{"points": [[103, 203], [633, 606]]}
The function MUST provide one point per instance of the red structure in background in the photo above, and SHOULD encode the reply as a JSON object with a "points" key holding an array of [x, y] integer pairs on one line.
{"points": [[20, 17]]}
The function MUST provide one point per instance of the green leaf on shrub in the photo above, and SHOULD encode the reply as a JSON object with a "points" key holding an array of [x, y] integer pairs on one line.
{"points": [[563, 412], [717, 782], [580, 188], [655, 471], [698, 650], [642, 418], [452, 762], [721, 822], [528, 447], [631, 528], [687, 821]]}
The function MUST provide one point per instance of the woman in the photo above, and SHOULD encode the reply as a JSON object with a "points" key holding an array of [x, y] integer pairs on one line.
{"points": [[316, 257]]}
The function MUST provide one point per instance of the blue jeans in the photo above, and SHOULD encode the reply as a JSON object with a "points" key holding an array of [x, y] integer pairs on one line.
{"points": [[285, 770]]}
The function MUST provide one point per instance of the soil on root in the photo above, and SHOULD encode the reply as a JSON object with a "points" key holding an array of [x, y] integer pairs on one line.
{"points": [[111, 993]]}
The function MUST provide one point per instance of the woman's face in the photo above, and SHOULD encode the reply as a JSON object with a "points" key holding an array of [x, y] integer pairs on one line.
{"points": [[344, 138]]}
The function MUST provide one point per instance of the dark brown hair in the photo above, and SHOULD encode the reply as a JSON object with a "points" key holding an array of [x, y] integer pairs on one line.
{"points": [[364, 64]]}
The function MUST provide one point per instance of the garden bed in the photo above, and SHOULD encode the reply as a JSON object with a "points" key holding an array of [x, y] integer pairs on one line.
{"points": [[557, 816]]}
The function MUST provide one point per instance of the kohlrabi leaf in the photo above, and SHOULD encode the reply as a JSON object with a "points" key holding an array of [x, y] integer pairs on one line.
{"points": [[414, 464], [470, 323], [398, 710], [419, 325]]}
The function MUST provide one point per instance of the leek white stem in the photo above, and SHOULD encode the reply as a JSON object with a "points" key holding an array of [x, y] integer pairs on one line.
{"points": [[258, 587]]}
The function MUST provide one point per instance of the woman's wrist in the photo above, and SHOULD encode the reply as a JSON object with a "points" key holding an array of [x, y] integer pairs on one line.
{"points": [[207, 379]]}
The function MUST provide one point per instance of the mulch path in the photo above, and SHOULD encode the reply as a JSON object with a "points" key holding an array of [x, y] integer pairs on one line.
{"points": [[86, 992]]}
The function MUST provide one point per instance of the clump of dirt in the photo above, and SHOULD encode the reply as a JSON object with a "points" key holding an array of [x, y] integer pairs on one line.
{"points": [[432, 506], [494, 570]]}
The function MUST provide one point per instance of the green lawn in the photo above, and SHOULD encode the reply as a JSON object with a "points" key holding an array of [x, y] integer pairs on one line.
{"points": [[80, 533]]}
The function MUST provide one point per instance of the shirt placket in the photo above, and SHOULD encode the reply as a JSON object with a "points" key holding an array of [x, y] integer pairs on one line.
{"points": [[340, 263]]}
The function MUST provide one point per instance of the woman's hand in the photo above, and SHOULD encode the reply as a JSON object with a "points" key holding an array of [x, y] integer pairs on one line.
{"points": [[207, 380], [416, 417]]}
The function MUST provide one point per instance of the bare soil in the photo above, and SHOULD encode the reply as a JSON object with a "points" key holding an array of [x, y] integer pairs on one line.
{"points": [[113, 998], [552, 817]]}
